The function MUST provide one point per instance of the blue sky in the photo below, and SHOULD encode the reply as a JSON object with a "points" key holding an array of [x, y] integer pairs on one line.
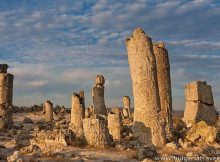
{"points": [[56, 47]]}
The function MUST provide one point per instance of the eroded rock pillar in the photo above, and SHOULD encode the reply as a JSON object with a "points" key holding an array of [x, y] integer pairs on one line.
{"points": [[142, 63], [96, 131], [199, 103], [48, 105], [6, 96], [164, 85], [98, 96], [115, 124], [77, 113], [126, 109]]}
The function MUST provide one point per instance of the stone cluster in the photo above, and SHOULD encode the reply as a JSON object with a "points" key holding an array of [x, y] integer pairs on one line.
{"points": [[149, 127], [44, 137]]}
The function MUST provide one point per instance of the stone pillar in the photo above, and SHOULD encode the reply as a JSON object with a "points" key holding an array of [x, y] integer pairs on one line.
{"points": [[142, 63], [199, 103], [96, 131], [98, 96], [115, 124], [77, 114], [48, 106], [6, 96], [126, 108], [164, 85]]}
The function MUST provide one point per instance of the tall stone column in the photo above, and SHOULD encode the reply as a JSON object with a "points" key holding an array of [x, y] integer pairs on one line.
{"points": [[142, 63], [164, 84], [6, 96], [98, 96], [127, 105], [49, 111], [77, 114]]}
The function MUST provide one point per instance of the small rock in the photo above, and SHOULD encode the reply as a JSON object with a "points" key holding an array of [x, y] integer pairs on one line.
{"points": [[147, 160], [172, 145], [202, 132], [30, 149], [28, 120], [145, 152], [58, 155]]}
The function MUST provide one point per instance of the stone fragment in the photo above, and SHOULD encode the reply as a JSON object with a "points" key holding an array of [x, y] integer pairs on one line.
{"points": [[6, 95], [201, 133], [30, 149], [115, 125], [98, 96], [23, 139], [54, 137], [49, 111], [197, 111], [199, 104], [127, 107], [96, 131], [77, 114], [16, 157], [143, 71], [164, 85], [172, 145], [27, 120], [199, 91]]}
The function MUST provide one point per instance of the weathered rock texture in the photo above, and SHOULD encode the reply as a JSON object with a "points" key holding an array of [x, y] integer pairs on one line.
{"points": [[199, 103], [201, 133], [96, 131], [89, 112], [143, 71], [127, 107], [164, 84], [115, 124], [98, 96], [51, 137], [49, 111], [77, 113], [6, 95]]}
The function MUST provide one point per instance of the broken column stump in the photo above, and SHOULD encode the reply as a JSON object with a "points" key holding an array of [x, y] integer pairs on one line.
{"points": [[115, 124], [48, 111], [6, 96], [142, 63], [199, 103], [98, 96], [77, 114], [96, 131]]}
